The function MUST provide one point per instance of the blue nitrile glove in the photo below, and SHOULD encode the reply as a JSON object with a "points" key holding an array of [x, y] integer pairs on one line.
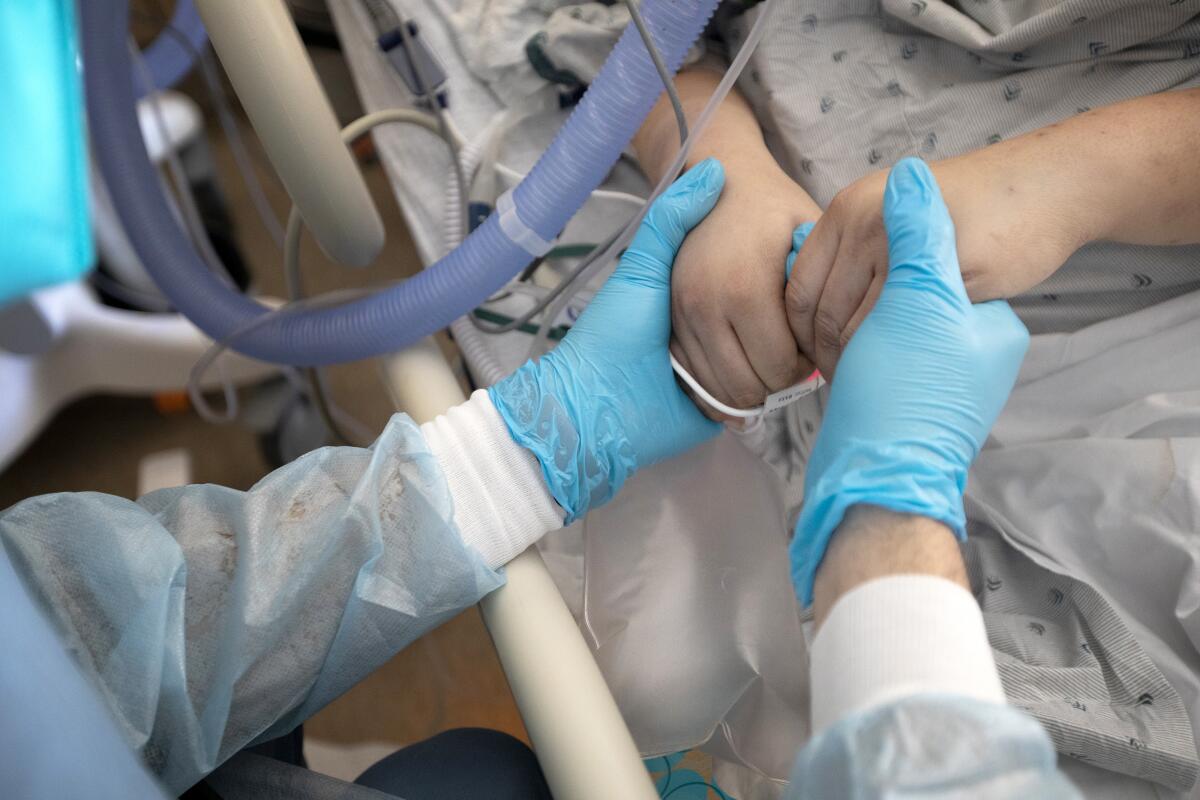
{"points": [[917, 388], [604, 402]]}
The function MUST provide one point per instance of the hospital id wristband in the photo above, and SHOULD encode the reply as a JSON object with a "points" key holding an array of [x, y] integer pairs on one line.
{"points": [[773, 403]]}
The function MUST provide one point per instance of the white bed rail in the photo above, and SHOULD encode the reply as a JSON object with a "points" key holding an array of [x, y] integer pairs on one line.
{"points": [[581, 740]]}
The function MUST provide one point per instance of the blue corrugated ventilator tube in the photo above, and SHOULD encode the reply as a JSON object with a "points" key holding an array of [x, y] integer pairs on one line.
{"points": [[174, 52], [583, 152]]}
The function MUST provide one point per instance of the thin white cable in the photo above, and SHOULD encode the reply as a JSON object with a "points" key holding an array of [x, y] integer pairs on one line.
{"points": [[773, 403], [709, 400], [292, 270], [237, 147], [334, 415], [460, 139], [291, 248]]}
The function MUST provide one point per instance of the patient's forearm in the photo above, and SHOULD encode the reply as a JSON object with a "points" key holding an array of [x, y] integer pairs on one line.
{"points": [[1129, 172], [733, 137], [1148, 150]]}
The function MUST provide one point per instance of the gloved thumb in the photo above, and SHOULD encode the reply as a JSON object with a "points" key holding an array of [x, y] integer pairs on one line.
{"points": [[1002, 329], [921, 243], [680, 208], [798, 237]]}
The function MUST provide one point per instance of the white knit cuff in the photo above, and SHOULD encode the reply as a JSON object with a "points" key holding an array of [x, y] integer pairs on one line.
{"points": [[501, 503], [898, 636]]}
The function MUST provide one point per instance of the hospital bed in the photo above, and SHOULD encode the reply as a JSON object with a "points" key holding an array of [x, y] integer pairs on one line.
{"points": [[584, 747], [574, 690]]}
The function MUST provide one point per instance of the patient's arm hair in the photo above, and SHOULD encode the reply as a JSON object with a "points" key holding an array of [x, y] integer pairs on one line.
{"points": [[873, 542], [1134, 165]]}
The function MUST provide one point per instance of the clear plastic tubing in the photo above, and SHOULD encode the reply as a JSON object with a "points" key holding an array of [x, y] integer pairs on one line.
{"points": [[575, 163], [761, 25]]}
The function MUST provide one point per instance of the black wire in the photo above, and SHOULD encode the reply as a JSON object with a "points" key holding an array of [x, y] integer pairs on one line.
{"points": [[696, 783]]}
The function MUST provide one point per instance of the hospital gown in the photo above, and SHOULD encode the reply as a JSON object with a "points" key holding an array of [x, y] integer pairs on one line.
{"points": [[209, 618], [845, 89]]}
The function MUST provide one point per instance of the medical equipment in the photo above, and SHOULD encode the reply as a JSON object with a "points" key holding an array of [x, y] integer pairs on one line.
{"points": [[330, 201], [43, 163], [172, 55], [776, 401], [64, 341]]}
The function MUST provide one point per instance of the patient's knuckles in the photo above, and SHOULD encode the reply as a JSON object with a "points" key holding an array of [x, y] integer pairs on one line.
{"points": [[827, 331], [695, 299], [800, 304], [781, 376], [745, 298], [747, 396]]}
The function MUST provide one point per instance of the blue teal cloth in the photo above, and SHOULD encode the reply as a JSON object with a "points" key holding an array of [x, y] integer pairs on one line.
{"points": [[210, 619], [45, 229], [605, 403], [918, 387], [931, 747]]}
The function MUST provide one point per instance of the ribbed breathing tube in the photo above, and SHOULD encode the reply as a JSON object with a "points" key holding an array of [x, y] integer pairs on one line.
{"points": [[582, 153], [172, 55]]}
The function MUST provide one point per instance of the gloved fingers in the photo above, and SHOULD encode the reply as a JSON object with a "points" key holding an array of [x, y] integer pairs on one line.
{"points": [[680, 208], [810, 270], [1000, 326], [921, 242], [828, 368], [798, 238]]}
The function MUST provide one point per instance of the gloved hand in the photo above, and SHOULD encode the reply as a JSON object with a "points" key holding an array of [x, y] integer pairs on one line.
{"points": [[604, 402], [917, 388]]}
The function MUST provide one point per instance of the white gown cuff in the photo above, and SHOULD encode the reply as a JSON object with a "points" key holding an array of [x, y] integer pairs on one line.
{"points": [[898, 636], [501, 504]]}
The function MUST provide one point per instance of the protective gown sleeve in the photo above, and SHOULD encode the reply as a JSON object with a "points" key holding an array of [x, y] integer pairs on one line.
{"points": [[210, 618], [907, 703]]}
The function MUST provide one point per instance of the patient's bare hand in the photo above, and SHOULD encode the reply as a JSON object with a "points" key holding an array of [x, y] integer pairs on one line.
{"points": [[729, 326], [1010, 229]]}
